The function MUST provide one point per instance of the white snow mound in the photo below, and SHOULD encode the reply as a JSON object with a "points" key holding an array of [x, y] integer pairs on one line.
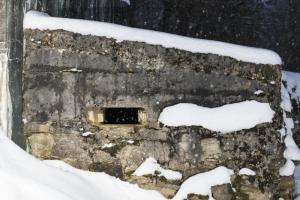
{"points": [[201, 183], [224, 119], [42, 21]]}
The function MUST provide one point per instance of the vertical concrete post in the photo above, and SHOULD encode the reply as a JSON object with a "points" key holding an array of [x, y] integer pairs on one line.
{"points": [[14, 38], [2, 26]]}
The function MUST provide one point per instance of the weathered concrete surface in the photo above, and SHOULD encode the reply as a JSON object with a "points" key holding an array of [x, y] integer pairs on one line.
{"points": [[2, 24], [67, 75]]}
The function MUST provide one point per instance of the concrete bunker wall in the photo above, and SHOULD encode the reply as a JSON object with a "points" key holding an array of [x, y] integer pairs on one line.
{"points": [[89, 71], [68, 79]]}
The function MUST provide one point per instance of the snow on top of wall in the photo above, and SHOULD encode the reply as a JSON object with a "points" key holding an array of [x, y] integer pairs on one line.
{"points": [[42, 21], [150, 167], [201, 183], [227, 118], [247, 171]]}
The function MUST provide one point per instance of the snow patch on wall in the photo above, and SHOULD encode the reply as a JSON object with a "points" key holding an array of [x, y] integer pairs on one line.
{"points": [[247, 171], [201, 183], [151, 167], [292, 81], [287, 169], [224, 119], [42, 21]]}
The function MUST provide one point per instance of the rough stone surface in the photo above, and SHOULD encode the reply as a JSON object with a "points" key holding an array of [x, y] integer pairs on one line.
{"points": [[196, 197], [155, 183], [36, 128], [286, 183], [222, 192], [210, 150], [255, 194], [132, 74], [41, 145]]}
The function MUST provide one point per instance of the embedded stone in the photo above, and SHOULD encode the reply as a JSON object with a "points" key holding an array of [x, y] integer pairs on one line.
{"points": [[254, 193], [196, 197], [154, 183], [94, 116], [131, 157], [222, 192], [35, 127], [286, 187], [116, 132], [41, 145], [210, 150]]}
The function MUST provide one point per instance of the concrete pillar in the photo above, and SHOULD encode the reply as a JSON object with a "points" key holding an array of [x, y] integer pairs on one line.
{"points": [[2, 25], [11, 44]]}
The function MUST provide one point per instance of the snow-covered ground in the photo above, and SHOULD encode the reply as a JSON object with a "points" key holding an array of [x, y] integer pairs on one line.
{"points": [[42, 21]]}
